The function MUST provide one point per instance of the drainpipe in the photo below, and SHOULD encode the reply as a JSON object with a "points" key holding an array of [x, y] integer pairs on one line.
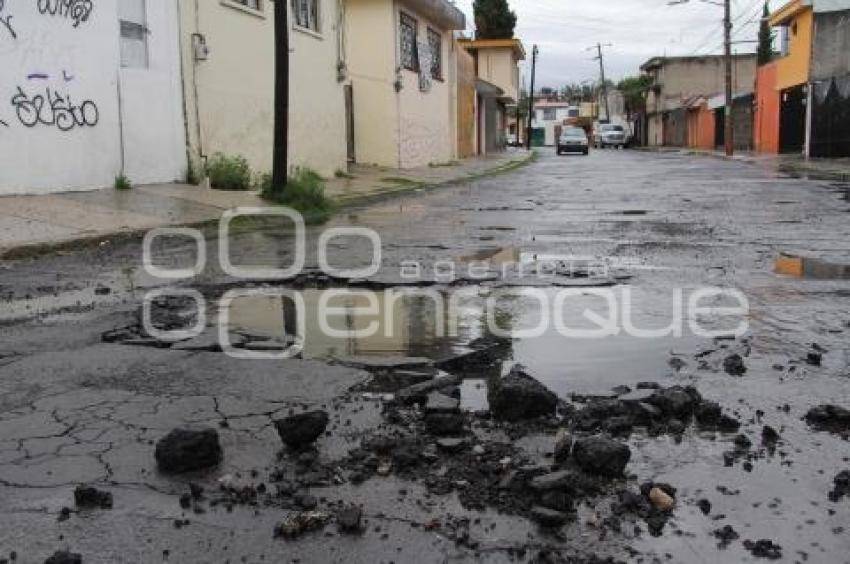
{"points": [[197, 36], [399, 77], [807, 145], [120, 122], [181, 47]]}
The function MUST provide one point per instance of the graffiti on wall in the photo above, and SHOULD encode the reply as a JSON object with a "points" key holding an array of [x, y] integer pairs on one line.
{"points": [[77, 11], [53, 109], [6, 20], [49, 106]]}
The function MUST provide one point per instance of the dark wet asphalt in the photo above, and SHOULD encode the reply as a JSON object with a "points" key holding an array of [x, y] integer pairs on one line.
{"points": [[74, 410]]}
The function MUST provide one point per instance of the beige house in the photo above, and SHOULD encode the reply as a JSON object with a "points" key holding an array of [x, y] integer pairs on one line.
{"points": [[497, 86], [228, 75], [400, 60], [678, 79]]}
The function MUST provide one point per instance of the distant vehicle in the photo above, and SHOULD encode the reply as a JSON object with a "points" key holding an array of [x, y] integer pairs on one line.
{"points": [[511, 140], [609, 135], [573, 140]]}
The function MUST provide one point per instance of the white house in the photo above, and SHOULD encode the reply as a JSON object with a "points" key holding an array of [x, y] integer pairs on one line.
{"points": [[89, 91], [228, 77], [549, 115]]}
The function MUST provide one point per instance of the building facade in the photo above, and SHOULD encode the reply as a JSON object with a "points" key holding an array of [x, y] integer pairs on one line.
{"points": [[679, 79], [229, 68], [401, 70], [497, 88], [90, 91], [551, 117], [803, 97]]}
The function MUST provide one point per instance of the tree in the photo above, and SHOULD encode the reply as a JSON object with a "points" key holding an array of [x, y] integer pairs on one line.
{"points": [[520, 111], [634, 89], [765, 42], [494, 19]]}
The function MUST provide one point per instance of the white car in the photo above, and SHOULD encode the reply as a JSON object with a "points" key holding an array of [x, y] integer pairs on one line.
{"points": [[609, 135]]}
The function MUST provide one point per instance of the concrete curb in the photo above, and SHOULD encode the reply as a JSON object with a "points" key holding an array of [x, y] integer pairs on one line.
{"points": [[792, 169], [34, 250]]}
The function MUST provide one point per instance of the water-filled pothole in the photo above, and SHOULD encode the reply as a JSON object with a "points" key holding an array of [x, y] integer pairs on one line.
{"points": [[804, 267]]}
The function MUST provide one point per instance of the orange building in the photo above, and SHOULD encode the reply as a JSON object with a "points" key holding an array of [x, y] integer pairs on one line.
{"points": [[767, 107], [701, 122]]}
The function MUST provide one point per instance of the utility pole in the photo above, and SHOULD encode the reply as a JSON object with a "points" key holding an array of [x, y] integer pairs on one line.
{"points": [[531, 98], [728, 129], [603, 84], [727, 47], [280, 154]]}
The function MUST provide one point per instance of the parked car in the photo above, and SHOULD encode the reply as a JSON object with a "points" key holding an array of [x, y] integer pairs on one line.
{"points": [[573, 140], [609, 135]]}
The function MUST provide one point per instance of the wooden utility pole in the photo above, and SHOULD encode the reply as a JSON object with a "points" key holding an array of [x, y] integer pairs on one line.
{"points": [[728, 129], [727, 47], [280, 162], [531, 98]]}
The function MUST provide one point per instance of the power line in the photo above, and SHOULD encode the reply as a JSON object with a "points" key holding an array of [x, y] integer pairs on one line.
{"points": [[717, 29]]}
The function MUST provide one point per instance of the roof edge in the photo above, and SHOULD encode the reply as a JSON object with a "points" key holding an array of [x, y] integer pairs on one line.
{"points": [[513, 43]]}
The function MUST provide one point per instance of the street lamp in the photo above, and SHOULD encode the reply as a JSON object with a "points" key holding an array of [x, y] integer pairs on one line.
{"points": [[727, 52]]}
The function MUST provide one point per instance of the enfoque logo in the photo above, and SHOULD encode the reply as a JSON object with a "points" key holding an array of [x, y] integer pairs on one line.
{"points": [[702, 312]]}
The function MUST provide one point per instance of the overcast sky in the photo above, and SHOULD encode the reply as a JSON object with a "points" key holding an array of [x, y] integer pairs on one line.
{"points": [[637, 30]]}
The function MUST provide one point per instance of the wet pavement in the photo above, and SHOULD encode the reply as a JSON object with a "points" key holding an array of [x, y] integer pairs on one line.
{"points": [[643, 230]]}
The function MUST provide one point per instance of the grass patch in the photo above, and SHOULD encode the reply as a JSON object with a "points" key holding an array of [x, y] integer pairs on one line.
{"points": [[229, 173], [445, 164], [304, 192], [122, 182]]}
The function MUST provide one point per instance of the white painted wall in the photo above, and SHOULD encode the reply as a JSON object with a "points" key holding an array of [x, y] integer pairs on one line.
{"points": [[425, 117], [74, 141], [153, 127]]}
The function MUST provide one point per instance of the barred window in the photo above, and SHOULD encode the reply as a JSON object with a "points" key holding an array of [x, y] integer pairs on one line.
{"points": [[253, 4], [305, 13], [409, 47], [435, 42]]}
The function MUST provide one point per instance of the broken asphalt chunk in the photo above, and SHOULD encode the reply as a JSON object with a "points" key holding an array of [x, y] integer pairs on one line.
{"points": [[298, 431], [520, 396], [87, 497], [64, 557], [829, 418], [602, 456], [188, 450]]}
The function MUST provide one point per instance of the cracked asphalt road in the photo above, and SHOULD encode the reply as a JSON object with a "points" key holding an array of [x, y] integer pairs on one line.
{"points": [[76, 410]]}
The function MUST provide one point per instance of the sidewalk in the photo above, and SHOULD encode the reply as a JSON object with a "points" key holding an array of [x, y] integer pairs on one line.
{"points": [[836, 170], [52, 220]]}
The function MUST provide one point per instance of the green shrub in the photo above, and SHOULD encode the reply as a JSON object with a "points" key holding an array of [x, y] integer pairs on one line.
{"points": [[122, 182], [229, 173], [304, 192]]}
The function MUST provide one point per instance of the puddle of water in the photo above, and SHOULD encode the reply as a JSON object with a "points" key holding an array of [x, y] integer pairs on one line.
{"points": [[473, 395], [437, 324], [390, 323], [816, 269]]}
